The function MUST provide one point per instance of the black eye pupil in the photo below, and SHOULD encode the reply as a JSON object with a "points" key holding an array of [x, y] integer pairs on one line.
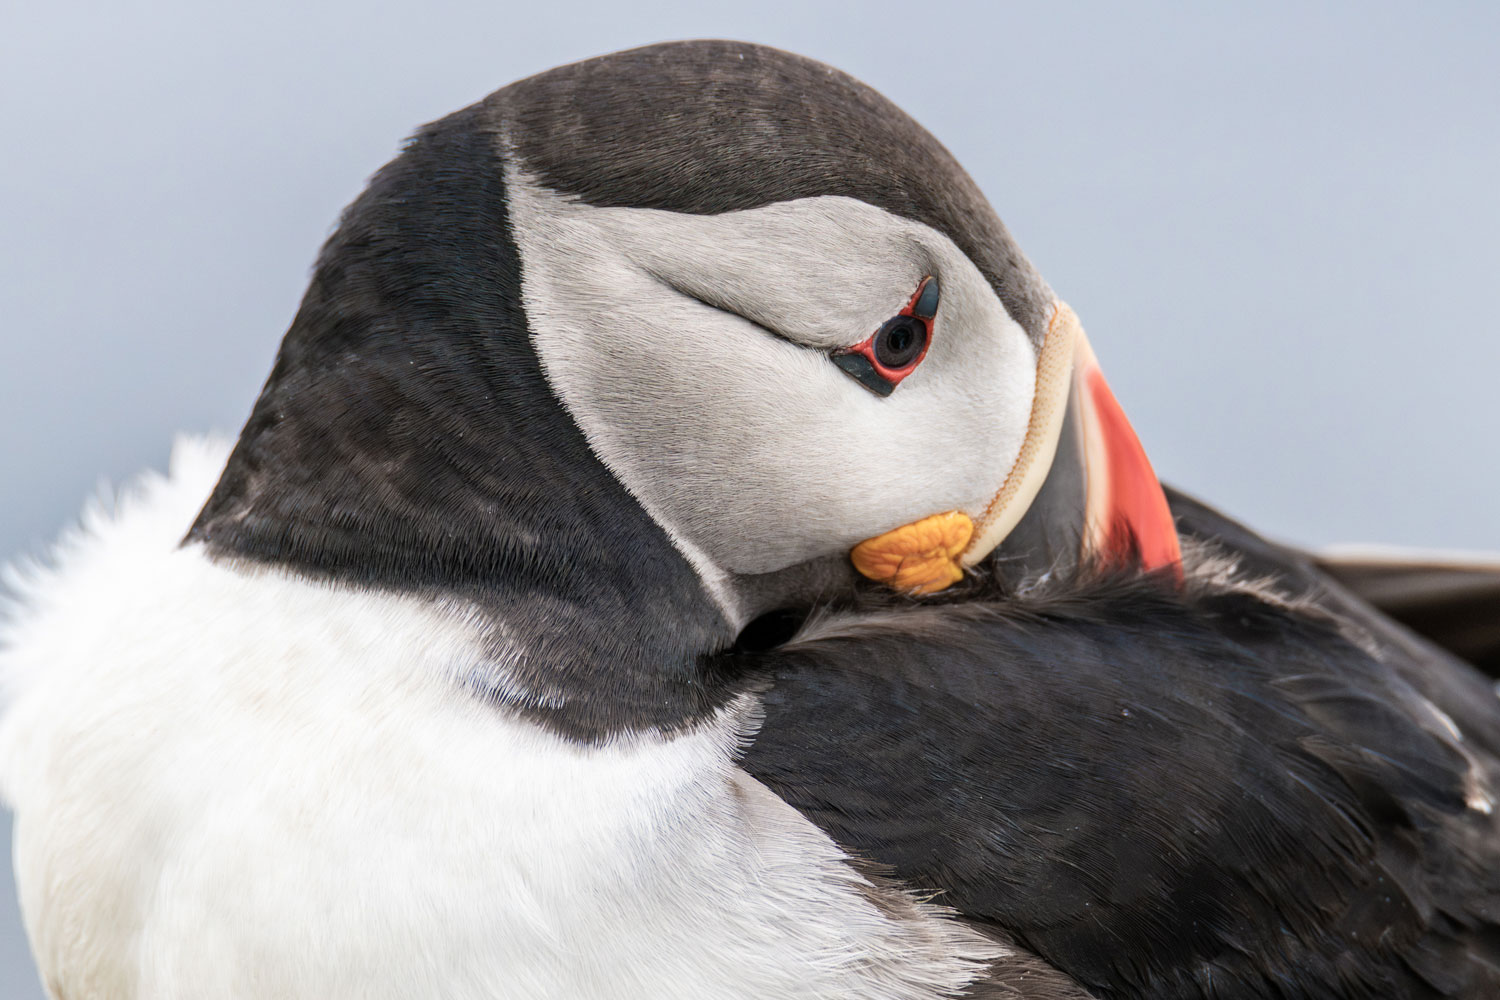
{"points": [[899, 342]]}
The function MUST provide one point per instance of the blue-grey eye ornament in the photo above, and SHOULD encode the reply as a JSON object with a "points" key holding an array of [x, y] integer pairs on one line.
{"points": [[891, 353]]}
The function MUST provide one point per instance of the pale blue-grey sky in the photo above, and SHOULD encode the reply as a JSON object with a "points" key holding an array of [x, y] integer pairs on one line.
{"points": [[1278, 222]]}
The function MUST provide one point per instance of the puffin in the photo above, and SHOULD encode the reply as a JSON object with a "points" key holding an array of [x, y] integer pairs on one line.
{"points": [[684, 549]]}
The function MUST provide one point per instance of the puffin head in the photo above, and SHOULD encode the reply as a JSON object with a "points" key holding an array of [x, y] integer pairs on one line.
{"points": [[636, 351]]}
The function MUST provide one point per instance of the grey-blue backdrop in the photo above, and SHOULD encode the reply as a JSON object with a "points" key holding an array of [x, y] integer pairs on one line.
{"points": [[1278, 222]]}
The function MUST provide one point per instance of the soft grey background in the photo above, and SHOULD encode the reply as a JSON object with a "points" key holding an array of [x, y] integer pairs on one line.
{"points": [[1278, 223]]}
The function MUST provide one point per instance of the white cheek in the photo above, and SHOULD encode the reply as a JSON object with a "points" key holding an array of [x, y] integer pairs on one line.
{"points": [[753, 451]]}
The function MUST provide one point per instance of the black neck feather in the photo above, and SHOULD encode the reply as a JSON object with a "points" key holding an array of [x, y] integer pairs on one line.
{"points": [[407, 439]]}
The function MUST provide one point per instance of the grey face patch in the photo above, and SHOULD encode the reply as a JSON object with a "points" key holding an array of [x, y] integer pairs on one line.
{"points": [[693, 351], [410, 439], [707, 127]]}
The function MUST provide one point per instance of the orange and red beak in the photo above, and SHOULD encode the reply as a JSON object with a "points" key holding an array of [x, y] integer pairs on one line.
{"points": [[1128, 523]]}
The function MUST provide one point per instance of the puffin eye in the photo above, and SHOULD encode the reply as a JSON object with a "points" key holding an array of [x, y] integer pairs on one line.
{"points": [[891, 353], [899, 341]]}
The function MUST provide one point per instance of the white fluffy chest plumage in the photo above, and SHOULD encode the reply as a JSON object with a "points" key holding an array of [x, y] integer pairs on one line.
{"points": [[232, 783]]}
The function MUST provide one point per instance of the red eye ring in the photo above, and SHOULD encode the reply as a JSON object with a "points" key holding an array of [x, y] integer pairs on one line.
{"points": [[894, 351]]}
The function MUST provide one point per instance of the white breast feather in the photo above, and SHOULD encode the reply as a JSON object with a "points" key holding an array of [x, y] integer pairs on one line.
{"points": [[237, 783]]}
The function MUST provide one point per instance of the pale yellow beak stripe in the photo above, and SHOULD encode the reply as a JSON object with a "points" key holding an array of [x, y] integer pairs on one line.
{"points": [[1049, 407]]}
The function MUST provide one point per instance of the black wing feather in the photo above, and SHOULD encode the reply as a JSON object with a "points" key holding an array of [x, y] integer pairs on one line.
{"points": [[1454, 604], [1215, 797]]}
